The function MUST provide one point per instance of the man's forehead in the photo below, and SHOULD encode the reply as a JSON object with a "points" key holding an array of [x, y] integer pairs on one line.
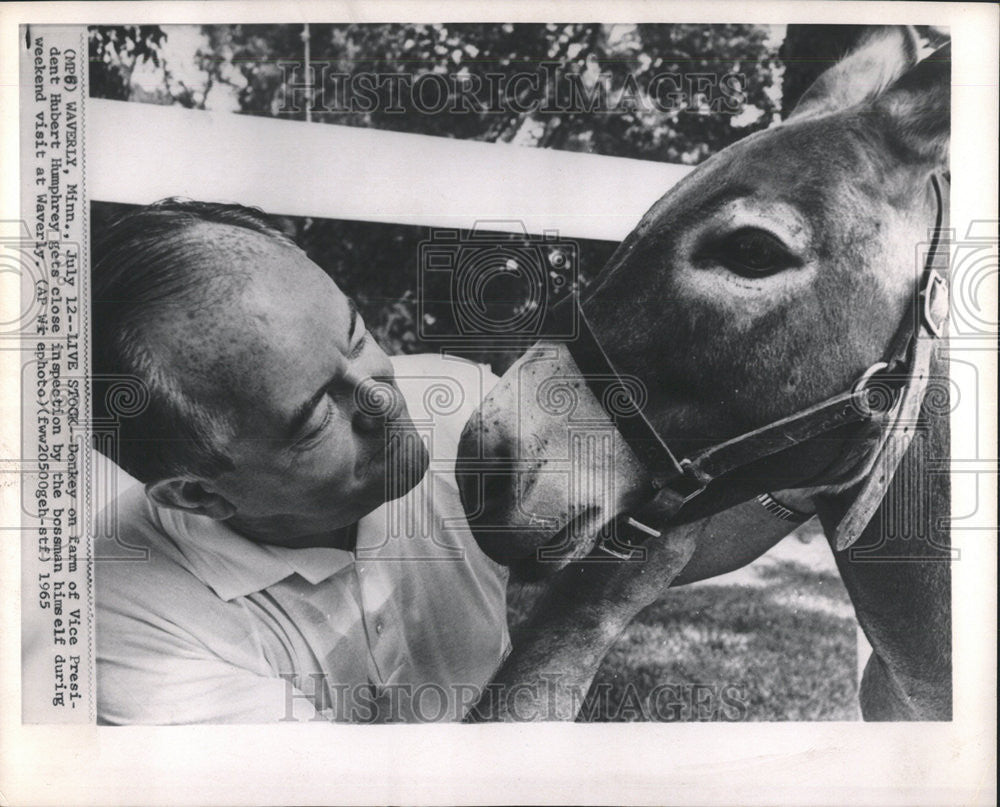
{"points": [[254, 264], [235, 341], [216, 246]]}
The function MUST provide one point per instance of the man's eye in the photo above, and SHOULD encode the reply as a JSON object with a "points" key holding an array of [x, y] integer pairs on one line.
{"points": [[752, 253], [359, 347], [315, 432]]}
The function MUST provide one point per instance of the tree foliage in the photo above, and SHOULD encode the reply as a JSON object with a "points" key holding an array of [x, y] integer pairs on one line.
{"points": [[255, 63], [115, 50]]}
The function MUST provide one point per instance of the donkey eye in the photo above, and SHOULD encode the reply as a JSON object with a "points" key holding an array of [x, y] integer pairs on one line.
{"points": [[752, 252]]}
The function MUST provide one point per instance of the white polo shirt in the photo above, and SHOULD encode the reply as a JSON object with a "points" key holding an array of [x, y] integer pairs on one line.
{"points": [[212, 627]]}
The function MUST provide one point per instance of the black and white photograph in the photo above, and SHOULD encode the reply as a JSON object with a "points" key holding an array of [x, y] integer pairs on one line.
{"points": [[501, 406]]}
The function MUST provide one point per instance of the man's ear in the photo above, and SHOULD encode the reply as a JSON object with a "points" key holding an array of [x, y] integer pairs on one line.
{"points": [[881, 56], [915, 113], [190, 496]]}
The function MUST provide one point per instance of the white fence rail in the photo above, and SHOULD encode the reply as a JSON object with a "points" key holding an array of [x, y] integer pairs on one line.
{"points": [[138, 153]]}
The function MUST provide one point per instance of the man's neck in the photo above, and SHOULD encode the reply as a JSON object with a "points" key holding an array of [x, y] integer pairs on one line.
{"points": [[341, 538]]}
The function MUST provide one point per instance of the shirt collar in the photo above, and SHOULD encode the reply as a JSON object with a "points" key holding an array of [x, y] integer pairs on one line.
{"points": [[234, 566]]}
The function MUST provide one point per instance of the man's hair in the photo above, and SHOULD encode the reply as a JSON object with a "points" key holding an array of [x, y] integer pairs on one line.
{"points": [[151, 264]]}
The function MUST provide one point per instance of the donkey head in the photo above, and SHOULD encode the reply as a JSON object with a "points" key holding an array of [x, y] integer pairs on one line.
{"points": [[767, 280]]}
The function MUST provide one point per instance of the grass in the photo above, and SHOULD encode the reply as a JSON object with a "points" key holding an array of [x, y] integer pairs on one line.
{"points": [[776, 641]]}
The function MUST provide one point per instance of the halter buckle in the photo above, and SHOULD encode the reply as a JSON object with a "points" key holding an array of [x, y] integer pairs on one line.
{"points": [[928, 295], [684, 482]]}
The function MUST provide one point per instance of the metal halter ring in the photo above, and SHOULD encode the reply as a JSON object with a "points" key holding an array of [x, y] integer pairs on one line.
{"points": [[612, 548], [860, 391]]}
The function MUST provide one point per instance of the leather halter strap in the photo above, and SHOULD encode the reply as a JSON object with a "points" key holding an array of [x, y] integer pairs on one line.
{"points": [[913, 355], [891, 389]]}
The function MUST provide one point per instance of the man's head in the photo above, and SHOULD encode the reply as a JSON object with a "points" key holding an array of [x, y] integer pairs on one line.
{"points": [[269, 403]]}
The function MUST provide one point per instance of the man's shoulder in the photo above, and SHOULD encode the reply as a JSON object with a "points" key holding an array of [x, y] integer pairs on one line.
{"points": [[137, 567]]}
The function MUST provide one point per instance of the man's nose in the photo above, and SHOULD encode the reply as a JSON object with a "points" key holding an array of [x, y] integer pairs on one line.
{"points": [[377, 401]]}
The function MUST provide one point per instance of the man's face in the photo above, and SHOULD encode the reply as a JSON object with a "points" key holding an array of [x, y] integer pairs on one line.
{"points": [[288, 356]]}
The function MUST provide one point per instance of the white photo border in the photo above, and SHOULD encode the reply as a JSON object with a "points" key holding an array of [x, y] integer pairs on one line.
{"points": [[794, 763]]}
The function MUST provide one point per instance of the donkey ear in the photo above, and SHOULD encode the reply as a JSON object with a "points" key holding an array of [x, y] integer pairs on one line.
{"points": [[915, 113], [881, 55]]}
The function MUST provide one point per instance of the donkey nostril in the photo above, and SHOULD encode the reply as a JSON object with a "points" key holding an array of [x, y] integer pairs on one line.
{"points": [[482, 491], [495, 487], [481, 483]]}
